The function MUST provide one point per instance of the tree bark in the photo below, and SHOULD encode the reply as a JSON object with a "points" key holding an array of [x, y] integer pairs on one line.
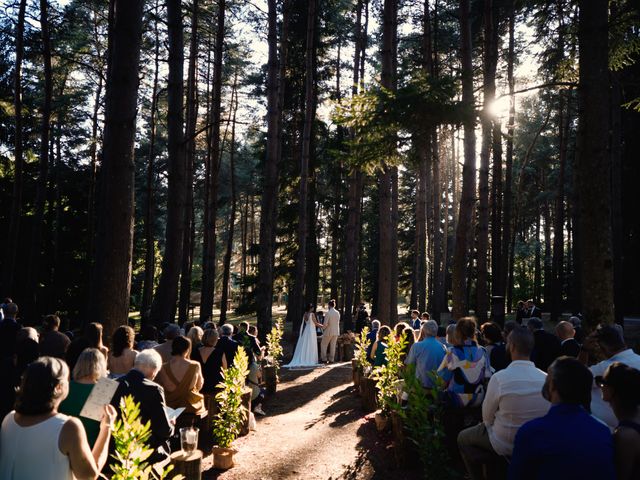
{"points": [[467, 202], [209, 244], [593, 168], [295, 308], [112, 272], [226, 272], [150, 249], [15, 215], [190, 139], [164, 303]]}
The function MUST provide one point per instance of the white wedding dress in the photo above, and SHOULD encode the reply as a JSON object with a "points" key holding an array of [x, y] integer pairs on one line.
{"points": [[306, 352]]}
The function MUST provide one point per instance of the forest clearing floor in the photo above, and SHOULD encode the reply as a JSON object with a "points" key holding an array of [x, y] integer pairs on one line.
{"points": [[314, 429]]}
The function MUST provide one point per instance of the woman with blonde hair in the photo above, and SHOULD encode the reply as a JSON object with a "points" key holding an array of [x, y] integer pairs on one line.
{"points": [[90, 367]]}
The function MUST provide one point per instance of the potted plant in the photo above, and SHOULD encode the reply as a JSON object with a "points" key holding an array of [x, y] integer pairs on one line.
{"points": [[227, 423], [388, 381], [360, 360], [274, 348], [131, 451]]}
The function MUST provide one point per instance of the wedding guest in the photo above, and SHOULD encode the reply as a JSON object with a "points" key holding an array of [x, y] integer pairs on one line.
{"points": [[610, 342], [495, 345], [621, 389], [92, 338], [532, 311], [399, 329], [513, 398], [521, 312], [568, 345], [38, 442], [195, 335], [441, 336], [577, 325], [148, 337], [90, 367], [257, 393], [250, 343], [123, 356], [410, 339], [227, 344], [415, 319], [465, 367], [547, 347], [426, 354], [425, 316], [139, 383], [214, 361], [164, 349], [52, 342], [361, 318], [378, 351], [567, 442], [372, 336], [253, 332], [27, 349], [9, 328], [182, 379]]}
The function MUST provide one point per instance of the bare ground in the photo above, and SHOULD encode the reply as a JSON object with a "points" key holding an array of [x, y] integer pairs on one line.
{"points": [[314, 429]]}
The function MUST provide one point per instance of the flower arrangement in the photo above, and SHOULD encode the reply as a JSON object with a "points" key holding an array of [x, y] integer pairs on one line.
{"points": [[130, 436]]}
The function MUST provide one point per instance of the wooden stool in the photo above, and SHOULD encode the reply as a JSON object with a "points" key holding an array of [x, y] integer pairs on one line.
{"points": [[187, 464], [246, 403]]}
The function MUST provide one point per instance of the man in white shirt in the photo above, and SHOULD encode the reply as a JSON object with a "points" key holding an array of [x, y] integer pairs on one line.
{"points": [[331, 327], [609, 339], [514, 396]]}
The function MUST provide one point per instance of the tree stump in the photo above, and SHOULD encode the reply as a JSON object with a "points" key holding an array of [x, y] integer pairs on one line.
{"points": [[369, 394], [348, 351], [270, 378], [187, 464], [246, 403]]}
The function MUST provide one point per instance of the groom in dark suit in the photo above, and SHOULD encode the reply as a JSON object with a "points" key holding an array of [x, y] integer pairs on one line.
{"points": [[532, 310]]}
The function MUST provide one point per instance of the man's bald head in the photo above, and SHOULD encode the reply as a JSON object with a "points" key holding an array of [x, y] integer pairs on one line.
{"points": [[564, 330]]}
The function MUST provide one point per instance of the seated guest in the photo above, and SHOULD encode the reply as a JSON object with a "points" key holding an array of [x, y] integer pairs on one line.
{"points": [[27, 349], [164, 349], [410, 339], [249, 342], [450, 334], [567, 443], [140, 385], [372, 336], [123, 356], [426, 354], [227, 345], [495, 345], [52, 342], [195, 335], [568, 345], [415, 320], [214, 361], [547, 345], [92, 338], [253, 332], [9, 328], [514, 396], [577, 325], [148, 337], [257, 393], [621, 388], [182, 379], [609, 341], [425, 316], [378, 351], [465, 367], [90, 367], [37, 442], [399, 329], [441, 336]]}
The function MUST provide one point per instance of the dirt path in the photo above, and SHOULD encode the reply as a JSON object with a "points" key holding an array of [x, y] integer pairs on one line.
{"points": [[314, 429]]}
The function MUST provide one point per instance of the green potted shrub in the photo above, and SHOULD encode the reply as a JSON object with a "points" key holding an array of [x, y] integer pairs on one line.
{"points": [[275, 352], [131, 452], [360, 360], [227, 422], [388, 381]]}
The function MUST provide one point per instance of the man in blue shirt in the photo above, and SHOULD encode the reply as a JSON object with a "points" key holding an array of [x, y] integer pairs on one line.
{"points": [[427, 354], [567, 443]]}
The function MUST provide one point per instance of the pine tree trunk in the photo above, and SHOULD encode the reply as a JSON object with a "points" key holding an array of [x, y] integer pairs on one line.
{"points": [[209, 244], [164, 303], [593, 168], [15, 215], [295, 308], [149, 217], [507, 221], [467, 202], [112, 274], [226, 272], [190, 137]]}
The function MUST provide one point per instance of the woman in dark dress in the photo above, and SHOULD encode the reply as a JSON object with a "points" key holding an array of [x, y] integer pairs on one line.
{"points": [[213, 361]]}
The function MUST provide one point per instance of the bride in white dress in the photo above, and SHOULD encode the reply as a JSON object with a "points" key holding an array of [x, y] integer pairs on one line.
{"points": [[306, 352]]}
